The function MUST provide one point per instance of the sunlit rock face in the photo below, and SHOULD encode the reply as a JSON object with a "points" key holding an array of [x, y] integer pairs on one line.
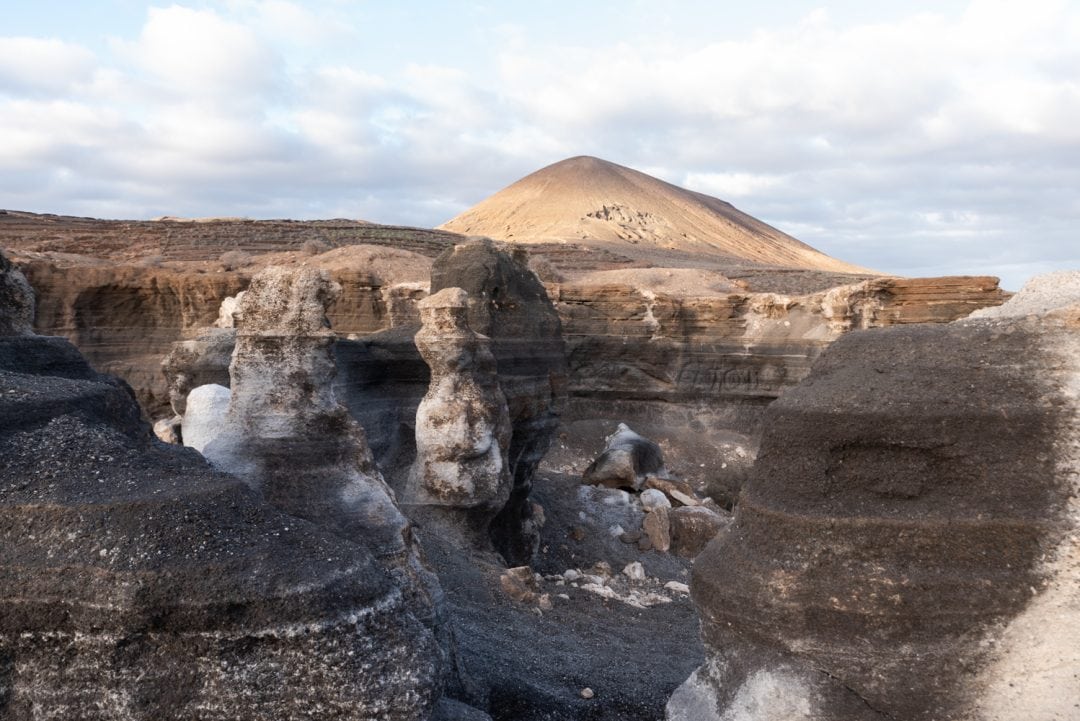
{"points": [[462, 424], [508, 304], [139, 583], [907, 544]]}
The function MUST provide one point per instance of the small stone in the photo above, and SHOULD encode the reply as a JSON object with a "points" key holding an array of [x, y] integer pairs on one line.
{"points": [[563, 596], [587, 692], [577, 533], [692, 527], [634, 571], [599, 590], [652, 499], [644, 544], [166, 429], [683, 498], [677, 587], [519, 583], [630, 537], [626, 461], [571, 574], [680, 491], [657, 526], [602, 568], [545, 602]]}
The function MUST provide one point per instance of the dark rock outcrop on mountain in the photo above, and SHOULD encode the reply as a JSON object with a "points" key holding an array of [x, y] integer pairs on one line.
{"points": [[461, 473], [139, 583], [508, 304], [906, 545]]}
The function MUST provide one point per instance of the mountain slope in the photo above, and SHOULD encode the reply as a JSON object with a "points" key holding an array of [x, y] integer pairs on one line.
{"points": [[585, 198]]}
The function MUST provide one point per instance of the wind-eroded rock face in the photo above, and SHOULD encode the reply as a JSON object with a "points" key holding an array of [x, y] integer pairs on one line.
{"points": [[677, 367], [906, 546], [138, 583], [126, 317], [285, 433], [462, 424], [508, 304]]}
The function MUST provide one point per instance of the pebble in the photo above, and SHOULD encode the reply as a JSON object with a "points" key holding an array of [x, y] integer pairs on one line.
{"points": [[677, 587], [630, 537], [601, 568], [587, 692], [634, 571], [602, 591], [652, 499], [684, 498]]}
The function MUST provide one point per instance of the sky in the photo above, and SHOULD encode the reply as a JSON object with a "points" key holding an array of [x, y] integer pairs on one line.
{"points": [[917, 138]]}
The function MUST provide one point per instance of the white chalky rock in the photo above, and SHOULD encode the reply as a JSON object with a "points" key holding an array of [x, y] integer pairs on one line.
{"points": [[634, 571], [204, 415], [462, 424]]}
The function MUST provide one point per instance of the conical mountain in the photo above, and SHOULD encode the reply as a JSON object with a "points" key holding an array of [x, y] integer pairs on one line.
{"points": [[587, 199]]}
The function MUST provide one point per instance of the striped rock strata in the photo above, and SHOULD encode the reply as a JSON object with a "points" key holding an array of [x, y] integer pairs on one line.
{"points": [[138, 583], [908, 544]]}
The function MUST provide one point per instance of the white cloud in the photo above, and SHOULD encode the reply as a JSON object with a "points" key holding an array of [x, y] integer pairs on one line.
{"points": [[197, 53], [42, 66]]}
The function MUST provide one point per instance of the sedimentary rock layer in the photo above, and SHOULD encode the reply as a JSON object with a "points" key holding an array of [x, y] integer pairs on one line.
{"points": [[913, 501], [136, 582], [667, 361]]}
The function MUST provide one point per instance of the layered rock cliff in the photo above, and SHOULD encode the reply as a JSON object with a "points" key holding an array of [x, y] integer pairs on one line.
{"points": [[138, 583], [906, 546]]}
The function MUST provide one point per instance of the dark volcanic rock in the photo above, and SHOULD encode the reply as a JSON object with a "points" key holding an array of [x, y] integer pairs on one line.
{"points": [[508, 303], [16, 300], [626, 461], [136, 582], [902, 549]]}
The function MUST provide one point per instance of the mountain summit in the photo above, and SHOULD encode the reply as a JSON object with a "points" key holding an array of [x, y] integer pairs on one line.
{"points": [[588, 199]]}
